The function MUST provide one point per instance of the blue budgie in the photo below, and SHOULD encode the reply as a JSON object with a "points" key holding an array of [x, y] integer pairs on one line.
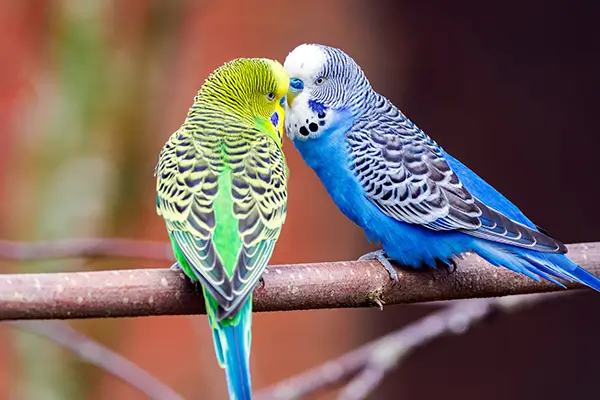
{"points": [[385, 174]]}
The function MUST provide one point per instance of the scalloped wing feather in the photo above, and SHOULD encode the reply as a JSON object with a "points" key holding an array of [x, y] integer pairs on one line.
{"points": [[404, 173]]}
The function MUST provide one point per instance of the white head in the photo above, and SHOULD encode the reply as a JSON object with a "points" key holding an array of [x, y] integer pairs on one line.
{"points": [[324, 82]]}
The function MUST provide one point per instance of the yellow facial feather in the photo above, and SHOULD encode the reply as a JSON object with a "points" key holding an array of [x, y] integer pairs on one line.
{"points": [[250, 89]]}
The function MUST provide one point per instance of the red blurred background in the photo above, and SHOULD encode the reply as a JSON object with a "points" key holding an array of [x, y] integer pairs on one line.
{"points": [[90, 91]]}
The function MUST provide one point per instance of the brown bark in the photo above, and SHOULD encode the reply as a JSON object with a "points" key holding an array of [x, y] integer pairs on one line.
{"points": [[143, 292]]}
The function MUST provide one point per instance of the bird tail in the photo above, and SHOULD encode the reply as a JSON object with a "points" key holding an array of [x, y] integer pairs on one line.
{"points": [[533, 264], [232, 338]]}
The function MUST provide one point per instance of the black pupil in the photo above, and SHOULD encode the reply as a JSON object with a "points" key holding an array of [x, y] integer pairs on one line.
{"points": [[271, 95]]}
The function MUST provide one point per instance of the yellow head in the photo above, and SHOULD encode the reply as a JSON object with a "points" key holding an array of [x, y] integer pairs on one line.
{"points": [[252, 89]]}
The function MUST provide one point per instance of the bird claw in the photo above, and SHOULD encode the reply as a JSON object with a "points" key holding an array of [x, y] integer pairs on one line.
{"points": [[381, 256], [261, 281], [176, 267], [450, 266]]}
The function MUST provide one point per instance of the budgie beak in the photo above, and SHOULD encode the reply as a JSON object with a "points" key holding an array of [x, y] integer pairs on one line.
{"points": [[291, 95], [296, 86]]}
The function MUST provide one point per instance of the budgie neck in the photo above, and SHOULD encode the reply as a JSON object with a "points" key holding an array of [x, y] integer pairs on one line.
{"points": [[360, 100], [208, 107], [364, 103], [377, 109], [371, 103]]}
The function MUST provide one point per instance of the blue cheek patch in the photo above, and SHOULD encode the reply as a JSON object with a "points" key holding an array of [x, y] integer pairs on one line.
{"points": [[317, 107], [275, 119], [282, 101]]}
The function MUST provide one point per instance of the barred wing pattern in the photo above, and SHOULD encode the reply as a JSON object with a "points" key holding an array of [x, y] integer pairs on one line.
{"points": [[404, 173], [188, 172]]}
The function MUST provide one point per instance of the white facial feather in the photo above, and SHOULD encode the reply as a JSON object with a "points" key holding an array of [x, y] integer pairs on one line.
{"points": [[303, 123], [306, 63]]}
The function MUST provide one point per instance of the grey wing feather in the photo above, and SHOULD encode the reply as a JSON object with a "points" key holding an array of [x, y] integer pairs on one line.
{"points": [[252, 260], [404, 173]]}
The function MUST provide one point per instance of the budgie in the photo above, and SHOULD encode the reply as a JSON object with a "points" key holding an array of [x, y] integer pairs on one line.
{"points": [[390, 178], [222, 191]]}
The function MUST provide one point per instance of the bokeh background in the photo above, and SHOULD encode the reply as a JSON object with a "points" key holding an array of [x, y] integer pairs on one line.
{"points": [[90, 91]]}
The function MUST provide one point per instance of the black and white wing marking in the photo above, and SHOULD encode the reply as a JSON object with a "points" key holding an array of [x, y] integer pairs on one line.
{"points": [[186, 189], [404, 173]]}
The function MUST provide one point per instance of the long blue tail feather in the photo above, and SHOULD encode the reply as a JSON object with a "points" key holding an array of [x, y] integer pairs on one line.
{"points": [[546, 265], [535, 264], [232, 346]]}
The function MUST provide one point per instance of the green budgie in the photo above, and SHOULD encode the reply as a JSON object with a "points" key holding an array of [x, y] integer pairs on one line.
{"points": [[222, 191]]}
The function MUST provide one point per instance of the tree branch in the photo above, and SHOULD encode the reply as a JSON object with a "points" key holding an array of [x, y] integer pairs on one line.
{"points": [[368, 365], [129, 293], [102, 357]]}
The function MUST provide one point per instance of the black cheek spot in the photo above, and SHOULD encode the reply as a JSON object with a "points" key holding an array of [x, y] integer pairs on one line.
{"points": [[307, 120], [321, 115], [313, 127], [304, 131], [321, 123]]}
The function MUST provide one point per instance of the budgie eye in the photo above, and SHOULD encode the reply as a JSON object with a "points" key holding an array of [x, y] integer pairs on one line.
{"points": [[320, 81], [271, 96]]}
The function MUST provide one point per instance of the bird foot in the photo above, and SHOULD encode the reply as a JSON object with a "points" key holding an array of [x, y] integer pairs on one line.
{"points": [[382, 257]]}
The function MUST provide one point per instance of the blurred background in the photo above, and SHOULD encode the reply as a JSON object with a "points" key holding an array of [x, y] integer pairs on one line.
{"points": [[91, 90]]}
